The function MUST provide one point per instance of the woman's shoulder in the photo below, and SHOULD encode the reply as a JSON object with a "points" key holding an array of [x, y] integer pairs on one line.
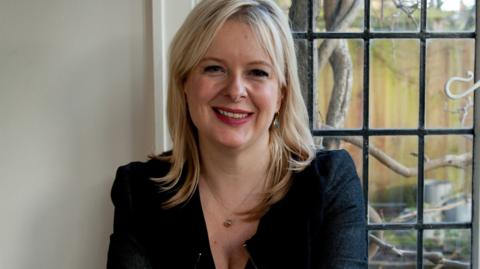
{"points": [[328, 173], [330, 184], [135, 181], [333, 157], [331, 163], [155, 167]]}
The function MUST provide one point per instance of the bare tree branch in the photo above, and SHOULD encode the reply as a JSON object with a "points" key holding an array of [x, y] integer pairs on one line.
{"points": [[338, 16], [408, 8], [374, 217], [413, 214], [449, 160], [463, 111], [342, 90], [436, 258]]}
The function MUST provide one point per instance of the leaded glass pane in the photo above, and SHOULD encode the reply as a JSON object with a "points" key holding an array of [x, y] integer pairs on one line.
{"points": [[339, 83], [395, 15], [394, 83], [451, 16], [448, 58], [393, 178]]}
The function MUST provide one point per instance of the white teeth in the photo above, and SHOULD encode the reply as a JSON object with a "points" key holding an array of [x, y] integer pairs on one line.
{"points": [[233, 115]]}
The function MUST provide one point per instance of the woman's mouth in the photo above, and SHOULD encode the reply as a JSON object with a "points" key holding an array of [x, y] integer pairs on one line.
{"points": [[232, 116]]}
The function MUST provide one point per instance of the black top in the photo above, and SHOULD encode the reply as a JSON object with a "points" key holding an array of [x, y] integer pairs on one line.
{"points": [[320, 223]]}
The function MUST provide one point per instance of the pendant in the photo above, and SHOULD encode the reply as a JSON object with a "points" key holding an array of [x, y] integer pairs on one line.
{"points": [[227, 223]]}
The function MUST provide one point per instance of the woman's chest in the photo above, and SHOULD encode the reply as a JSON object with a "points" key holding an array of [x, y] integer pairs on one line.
{"points": [[227, 244]]}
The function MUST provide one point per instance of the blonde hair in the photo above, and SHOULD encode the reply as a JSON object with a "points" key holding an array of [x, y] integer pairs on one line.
{"points": [[291, 145]]}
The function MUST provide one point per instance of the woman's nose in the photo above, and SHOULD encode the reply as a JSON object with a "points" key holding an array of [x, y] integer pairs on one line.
{"points": [[236, 89]]}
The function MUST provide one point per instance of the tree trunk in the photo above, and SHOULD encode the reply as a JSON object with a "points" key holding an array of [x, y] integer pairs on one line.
{"points": [[338, 16]]}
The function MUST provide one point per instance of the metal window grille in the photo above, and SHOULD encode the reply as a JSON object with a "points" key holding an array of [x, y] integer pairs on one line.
{"points": [[310, 35]]}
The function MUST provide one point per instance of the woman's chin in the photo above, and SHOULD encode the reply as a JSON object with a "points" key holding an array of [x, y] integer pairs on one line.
{"points": [[235, 142], [232, 143], [233, 139]]}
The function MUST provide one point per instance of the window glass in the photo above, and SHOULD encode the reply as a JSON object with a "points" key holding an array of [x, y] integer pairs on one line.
{"points": [[448, 58], [395, 15], [451, 15], [394, 83], [327, 20], [393, 178], [348, 67], [448, 188]]}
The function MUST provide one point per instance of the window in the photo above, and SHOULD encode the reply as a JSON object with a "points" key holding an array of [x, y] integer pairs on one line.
{"points": [[373, 74]]}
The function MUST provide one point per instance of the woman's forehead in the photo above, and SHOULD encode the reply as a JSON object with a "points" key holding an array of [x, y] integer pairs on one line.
{"points": [[236, 38]]}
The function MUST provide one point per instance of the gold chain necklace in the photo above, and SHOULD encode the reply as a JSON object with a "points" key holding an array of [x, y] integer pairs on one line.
{"points": [[228, 221]]}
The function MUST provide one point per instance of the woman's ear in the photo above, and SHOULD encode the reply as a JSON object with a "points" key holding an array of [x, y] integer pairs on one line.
{"points": [[185, 91], [280, 98]]}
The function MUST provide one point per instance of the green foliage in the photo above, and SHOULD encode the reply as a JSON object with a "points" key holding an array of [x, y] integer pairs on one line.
{"points": [[404, 239], [402, 194]]}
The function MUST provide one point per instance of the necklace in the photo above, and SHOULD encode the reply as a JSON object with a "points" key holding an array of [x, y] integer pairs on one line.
{"points": [[228, 221]]}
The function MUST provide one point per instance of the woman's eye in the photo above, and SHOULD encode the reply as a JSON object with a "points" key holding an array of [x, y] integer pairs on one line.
{"points": [[213, 69], [259, 73]]}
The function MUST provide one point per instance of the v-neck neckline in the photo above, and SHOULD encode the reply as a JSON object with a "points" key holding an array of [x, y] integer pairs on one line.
{"points": [[204, 246]]}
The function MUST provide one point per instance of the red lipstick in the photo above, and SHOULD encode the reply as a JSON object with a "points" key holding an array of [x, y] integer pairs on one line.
{"points": [[233, 117]]}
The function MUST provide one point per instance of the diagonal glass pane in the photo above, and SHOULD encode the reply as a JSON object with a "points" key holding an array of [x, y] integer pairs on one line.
{"points": [[395, 15]]}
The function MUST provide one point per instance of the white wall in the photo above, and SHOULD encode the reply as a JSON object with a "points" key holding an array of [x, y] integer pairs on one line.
{"points": [[76, 101]]}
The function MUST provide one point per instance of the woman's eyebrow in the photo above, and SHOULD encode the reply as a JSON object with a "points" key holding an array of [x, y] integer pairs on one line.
{"points": [[260, 63], [256, 62], [211, 59]]}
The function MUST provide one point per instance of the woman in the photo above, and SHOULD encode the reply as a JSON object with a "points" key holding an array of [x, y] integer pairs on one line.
{"points": [[243, 186]]}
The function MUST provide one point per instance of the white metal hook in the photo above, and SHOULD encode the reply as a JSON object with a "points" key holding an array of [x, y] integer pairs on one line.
{"points": [[449, 93]]}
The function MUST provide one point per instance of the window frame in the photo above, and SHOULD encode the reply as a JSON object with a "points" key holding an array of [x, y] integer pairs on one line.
{"points": [[476, 152], [167, 17], [420, 132]]}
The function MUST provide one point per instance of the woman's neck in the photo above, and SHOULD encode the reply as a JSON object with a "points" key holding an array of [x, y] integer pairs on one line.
{"points": [[234, 172]]}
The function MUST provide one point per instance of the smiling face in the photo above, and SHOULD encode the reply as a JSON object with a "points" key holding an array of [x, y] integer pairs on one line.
{"points": [[233, 93]]}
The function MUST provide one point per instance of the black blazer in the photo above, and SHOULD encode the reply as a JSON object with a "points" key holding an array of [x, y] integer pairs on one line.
{"points": [[320, 223]]}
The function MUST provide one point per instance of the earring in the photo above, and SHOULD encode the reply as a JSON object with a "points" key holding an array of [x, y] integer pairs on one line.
{"points": [[276, 121]]}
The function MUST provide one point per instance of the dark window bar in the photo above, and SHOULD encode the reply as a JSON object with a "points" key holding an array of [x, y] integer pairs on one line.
{"points": [[365, 132], [366, 112], [410, 226], [475, 246], [310, 48], [421, 136], [385, 132], [377, 35]]}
